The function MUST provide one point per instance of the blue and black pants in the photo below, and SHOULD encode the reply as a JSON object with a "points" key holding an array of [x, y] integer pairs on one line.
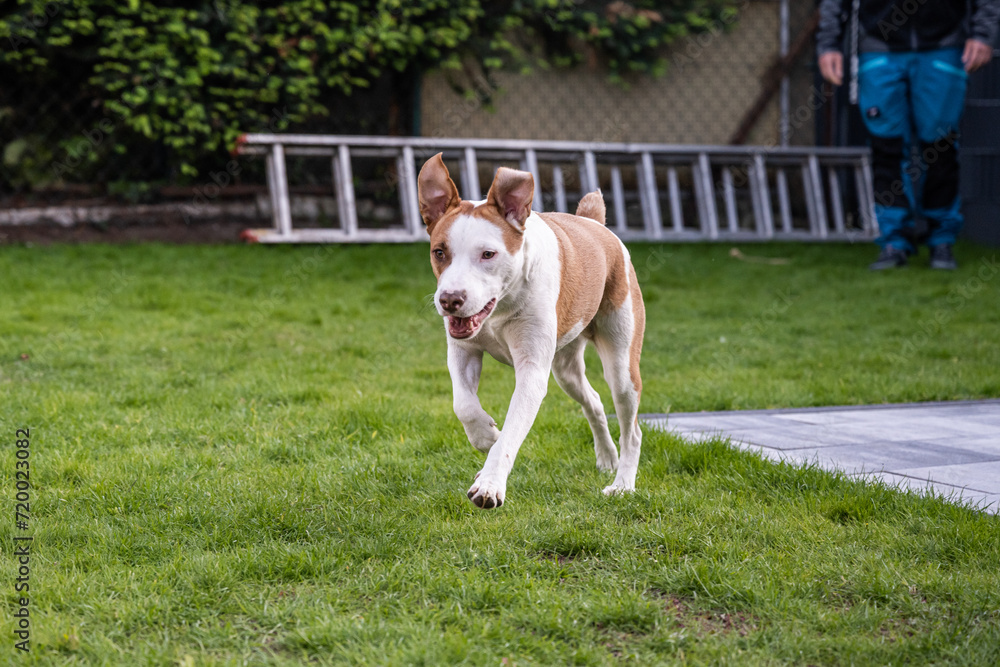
{"points": [[906, 99]]}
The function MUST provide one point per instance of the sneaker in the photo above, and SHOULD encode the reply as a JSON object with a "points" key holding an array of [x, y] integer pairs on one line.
{"points": [[890, 257], [941, 258]]}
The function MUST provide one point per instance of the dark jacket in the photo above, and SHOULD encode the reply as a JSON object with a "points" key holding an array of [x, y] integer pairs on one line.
{"points": [[908, 25]]}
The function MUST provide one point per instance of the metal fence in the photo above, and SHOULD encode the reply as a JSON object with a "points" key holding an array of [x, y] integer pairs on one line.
{"points": [[712, 81]]}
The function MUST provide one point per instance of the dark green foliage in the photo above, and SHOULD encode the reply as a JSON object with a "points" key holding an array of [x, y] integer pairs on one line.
{"points": [[185, 79]]}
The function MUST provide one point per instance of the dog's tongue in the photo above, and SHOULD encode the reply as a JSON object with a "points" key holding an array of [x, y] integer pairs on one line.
{"points": [[461, 326]]}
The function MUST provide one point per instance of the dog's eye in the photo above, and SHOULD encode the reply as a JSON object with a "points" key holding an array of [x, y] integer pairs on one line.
{"points": [[438, 253], [489, 254]]}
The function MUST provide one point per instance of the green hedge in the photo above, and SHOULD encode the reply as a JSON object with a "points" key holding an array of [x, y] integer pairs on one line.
{"points": [[192, 76]]}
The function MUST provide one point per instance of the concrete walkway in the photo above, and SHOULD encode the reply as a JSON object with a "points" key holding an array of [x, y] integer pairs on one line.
{"points": [[948, 448]]}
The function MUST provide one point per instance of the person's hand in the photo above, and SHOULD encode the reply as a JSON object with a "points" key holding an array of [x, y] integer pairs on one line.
{"points": [[977, 53], [831, 66]]}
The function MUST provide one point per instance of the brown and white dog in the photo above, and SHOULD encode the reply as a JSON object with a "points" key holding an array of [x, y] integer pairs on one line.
{"points": [[532, 289]]}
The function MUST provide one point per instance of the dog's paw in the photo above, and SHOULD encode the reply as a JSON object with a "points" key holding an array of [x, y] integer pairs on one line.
{"points": [[618, 489], [483, 437], [607, 461], [487, 493]]}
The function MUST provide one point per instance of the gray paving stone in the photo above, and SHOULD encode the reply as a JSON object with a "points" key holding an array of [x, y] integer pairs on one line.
{"points": [[884, 456], [985, 418], [832, 417], [983, 477], [989, 445], [776, 439], [841, 434], [716, 421], [924, 429], [950, 449], [979, 407]]}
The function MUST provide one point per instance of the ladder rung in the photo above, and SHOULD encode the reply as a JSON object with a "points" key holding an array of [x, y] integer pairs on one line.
{"points": [[652, 222], [814, 194], [784, 203], [344, 182], [866, 198], [590, 169], [729, 194], [761, 197], [705, 191], [531, 161], [470, 175], [408, 193], [674, 190], [559, 188], [835, 203], [618, 198], [279, 195]]}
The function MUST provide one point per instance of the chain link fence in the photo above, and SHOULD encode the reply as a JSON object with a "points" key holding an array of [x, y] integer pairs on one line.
{"points": [[712, 81]]}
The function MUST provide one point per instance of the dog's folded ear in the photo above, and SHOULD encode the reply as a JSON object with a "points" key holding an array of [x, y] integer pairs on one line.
{"points": [[436, 192], [511, 193]]}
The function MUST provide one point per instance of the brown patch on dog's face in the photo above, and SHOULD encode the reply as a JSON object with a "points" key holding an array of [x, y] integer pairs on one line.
{"points": [[508, 205], [441, 252], [512, 239]]}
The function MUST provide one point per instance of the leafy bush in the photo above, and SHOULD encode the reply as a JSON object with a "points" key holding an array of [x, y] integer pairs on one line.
{"points": [[192, 76]]}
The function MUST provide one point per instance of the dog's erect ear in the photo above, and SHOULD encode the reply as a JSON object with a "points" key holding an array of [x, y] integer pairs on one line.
{"points": [[436, 192], [511, 193]]}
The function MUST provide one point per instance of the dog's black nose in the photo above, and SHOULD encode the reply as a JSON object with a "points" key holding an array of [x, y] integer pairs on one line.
{"points": [[452, 301]]}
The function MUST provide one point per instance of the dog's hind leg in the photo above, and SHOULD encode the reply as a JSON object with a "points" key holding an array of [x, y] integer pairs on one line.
{"points": [[568, 369], [618, 338]]}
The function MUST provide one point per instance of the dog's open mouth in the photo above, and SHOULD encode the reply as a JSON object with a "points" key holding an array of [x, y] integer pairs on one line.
{"points": [[463, 327]]}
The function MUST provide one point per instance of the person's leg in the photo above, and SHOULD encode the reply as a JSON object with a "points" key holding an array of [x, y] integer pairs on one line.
{"points": [[883, 100], [938, 92]]}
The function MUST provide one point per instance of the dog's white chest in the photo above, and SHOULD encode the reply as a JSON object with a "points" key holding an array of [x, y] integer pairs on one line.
{"points": [[493, 341]]}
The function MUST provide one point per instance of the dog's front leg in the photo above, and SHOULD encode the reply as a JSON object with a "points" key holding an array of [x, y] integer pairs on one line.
{"points": [[465, 366], [531, 374]]}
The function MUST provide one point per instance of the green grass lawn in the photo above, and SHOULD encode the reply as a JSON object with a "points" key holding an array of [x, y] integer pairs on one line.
{"points": [[246, 454]]}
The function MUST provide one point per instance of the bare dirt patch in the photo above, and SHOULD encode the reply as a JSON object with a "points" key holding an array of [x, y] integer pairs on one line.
{"points": [[708, 622], [162, 231]]}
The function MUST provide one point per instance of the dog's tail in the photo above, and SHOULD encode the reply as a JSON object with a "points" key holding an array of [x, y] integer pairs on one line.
{"points": [[592, 206]]}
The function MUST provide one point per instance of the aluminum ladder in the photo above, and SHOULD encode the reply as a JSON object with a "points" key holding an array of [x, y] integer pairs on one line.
{"points": [[655, 192]]}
